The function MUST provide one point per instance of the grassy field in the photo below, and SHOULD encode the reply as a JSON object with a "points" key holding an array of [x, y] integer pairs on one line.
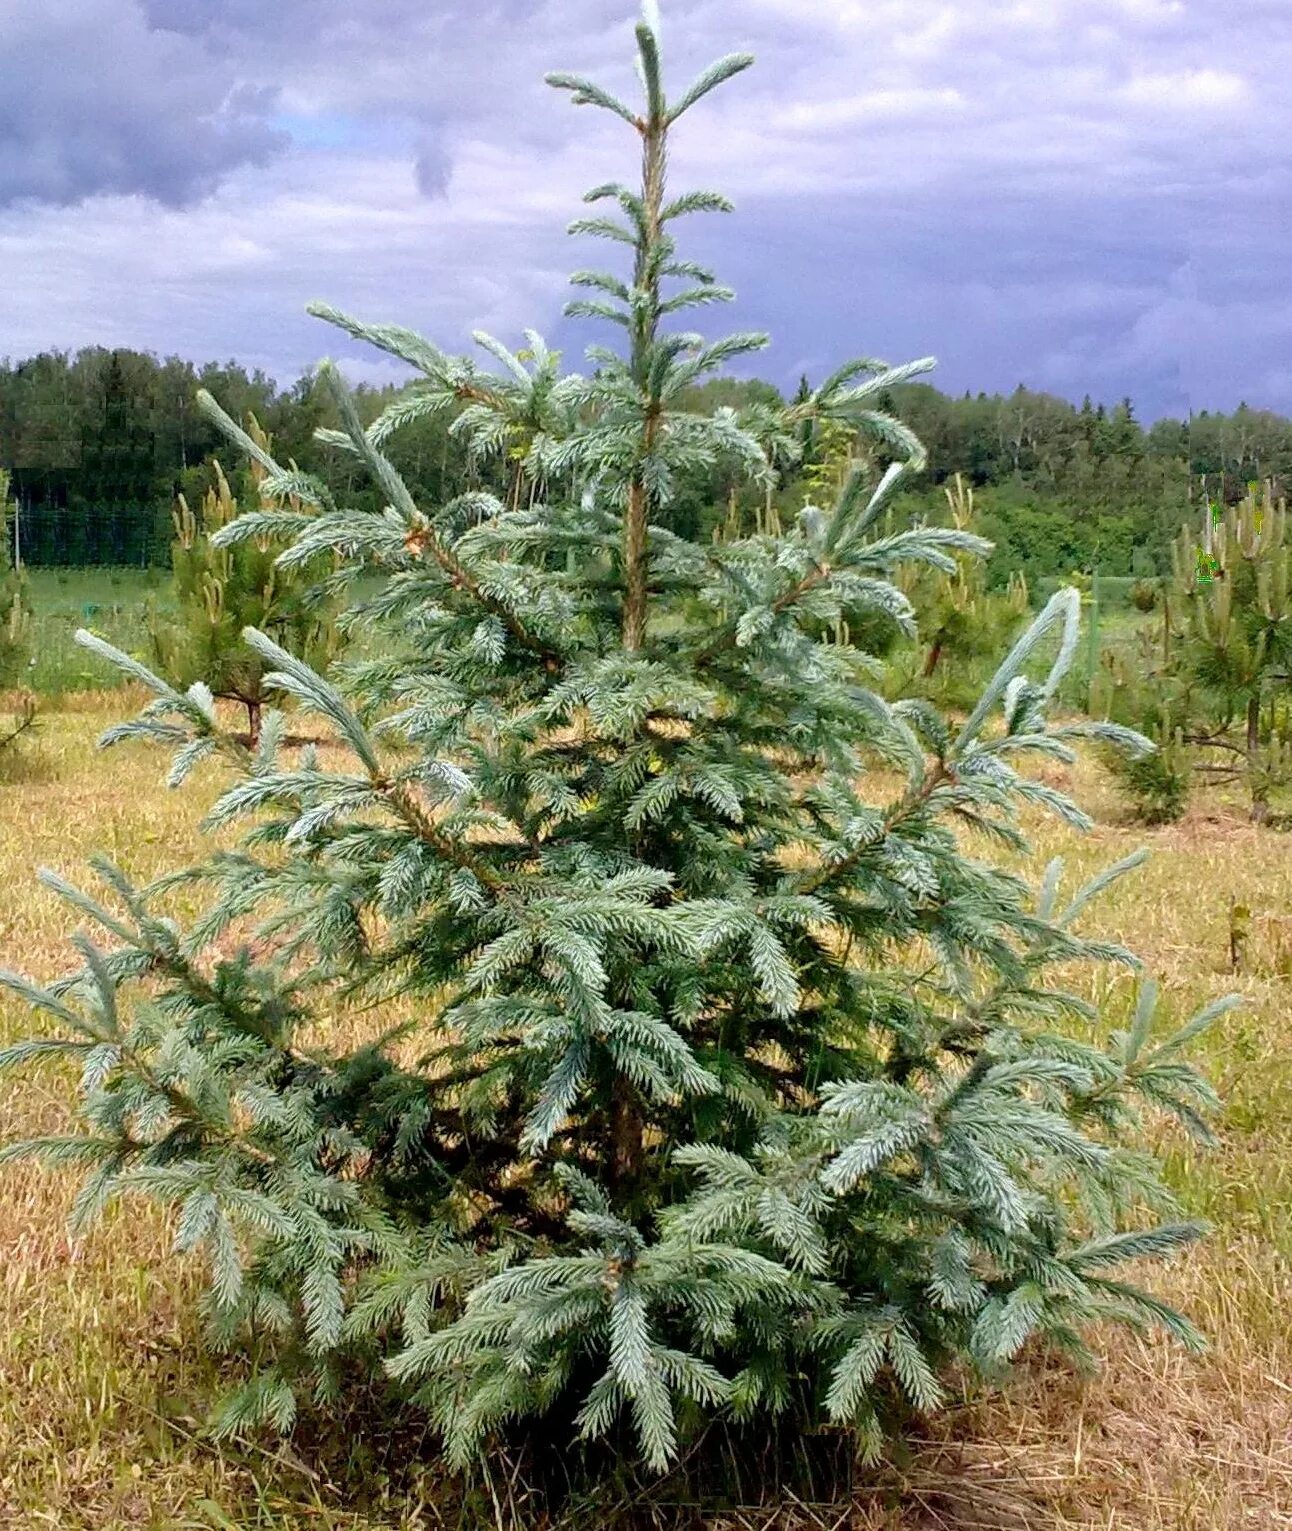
{"points": [[114, 602], [102, 1389]]}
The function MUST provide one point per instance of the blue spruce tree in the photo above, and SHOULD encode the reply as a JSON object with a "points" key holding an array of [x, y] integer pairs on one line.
{"points": [[707, 1072]]}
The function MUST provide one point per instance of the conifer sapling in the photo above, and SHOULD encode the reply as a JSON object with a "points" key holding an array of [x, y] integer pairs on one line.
{"points": [[960, 620], [1228, 638], [221, 589], [710, 1069]]}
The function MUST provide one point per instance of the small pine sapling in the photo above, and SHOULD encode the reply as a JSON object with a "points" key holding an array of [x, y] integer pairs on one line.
{"points": [[222, 589], [961, 622], [1141, 689], [696, 1067], [1144, 595], [1228, 638], [1157, 781]]}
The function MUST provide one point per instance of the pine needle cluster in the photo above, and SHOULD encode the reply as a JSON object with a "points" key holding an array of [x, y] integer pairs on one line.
{"points": [[733, 1076]]}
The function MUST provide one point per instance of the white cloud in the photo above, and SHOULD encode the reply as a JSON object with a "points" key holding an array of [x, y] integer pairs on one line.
{"points": [[1186, 90], [877, 106]]}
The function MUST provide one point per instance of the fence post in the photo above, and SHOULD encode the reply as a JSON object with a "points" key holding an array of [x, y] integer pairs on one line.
{"points": [[1092, 648]]}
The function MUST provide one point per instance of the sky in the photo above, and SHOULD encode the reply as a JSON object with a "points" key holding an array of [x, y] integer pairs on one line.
{"points": [[1077, 195]]}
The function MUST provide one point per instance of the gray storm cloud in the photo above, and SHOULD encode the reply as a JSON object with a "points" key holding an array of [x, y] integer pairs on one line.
{"points": [[92, 102], [1014, 185]]}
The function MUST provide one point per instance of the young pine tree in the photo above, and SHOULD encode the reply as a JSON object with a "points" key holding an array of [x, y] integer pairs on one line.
{"points": [[706, 1072], [961, 622], [221, 590], [1228, 637]]}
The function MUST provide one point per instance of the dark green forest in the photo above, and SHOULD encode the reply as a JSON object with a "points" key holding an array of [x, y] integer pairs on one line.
{"points": [[100, 442]]}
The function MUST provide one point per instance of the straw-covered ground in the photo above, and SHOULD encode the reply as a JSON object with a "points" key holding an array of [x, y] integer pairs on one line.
{"points": [[103, 1388]]}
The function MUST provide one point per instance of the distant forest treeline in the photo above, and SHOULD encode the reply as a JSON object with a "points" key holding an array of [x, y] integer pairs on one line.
{"points": [[100, 442]]}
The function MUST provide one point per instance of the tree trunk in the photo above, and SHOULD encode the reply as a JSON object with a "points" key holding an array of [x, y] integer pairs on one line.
{"points": [[635, 568], [253, 723], [627, 1119], [932, 657], [645, 278], [626, 1126], [1260, 801]]}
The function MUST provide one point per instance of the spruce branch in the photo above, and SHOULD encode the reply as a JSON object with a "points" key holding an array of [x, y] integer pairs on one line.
{"points": [[317, 694], [716, 74], [421, 535]]}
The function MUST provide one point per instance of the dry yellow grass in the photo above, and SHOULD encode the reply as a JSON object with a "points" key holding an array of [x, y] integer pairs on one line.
{"points": [[102, 1385]]}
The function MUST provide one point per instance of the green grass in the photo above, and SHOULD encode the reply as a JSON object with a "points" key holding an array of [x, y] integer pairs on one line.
{"points": [[111, 602], [115, 604]]}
